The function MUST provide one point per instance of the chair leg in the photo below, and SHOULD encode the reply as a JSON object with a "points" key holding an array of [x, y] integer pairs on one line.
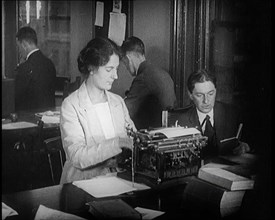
{"points": [[61, 159], [51, 168]]}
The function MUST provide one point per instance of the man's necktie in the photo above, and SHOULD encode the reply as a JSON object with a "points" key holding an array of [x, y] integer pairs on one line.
{"points": [[209, 130], [210, 133]]}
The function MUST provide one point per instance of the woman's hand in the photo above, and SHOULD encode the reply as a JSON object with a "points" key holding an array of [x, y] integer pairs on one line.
{"points": [[125, 142]]}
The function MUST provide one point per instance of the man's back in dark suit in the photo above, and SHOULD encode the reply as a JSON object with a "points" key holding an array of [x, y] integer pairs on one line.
{"points": [[35, 78], [151, 91], [35, 83]]}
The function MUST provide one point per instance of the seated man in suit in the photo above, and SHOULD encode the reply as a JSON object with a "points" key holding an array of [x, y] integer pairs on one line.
{"points": [[218, 121], [36, 77]]}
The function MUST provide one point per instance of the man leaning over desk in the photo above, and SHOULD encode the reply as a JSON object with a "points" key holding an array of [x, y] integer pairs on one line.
{"points": [[218, 121], [152, 89]]}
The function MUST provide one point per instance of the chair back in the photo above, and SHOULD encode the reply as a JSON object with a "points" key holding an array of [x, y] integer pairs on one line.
{"points": [[170, 117], [53, 143], [53, 146]]}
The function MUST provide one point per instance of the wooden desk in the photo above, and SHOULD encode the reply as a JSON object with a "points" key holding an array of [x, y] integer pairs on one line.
{"points": [[21, 153], [28, 116], [69, 198]]}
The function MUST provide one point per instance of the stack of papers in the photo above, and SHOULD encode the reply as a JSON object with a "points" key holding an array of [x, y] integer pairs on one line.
{"points": [[48, 113], [49, 117]]}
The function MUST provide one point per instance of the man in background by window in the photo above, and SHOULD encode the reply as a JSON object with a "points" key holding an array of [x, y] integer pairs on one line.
{"points": [[35, 78], [152, 89]]}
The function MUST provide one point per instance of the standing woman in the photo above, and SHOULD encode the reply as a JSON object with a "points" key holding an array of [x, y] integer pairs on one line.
{"points": [[93, 120]]}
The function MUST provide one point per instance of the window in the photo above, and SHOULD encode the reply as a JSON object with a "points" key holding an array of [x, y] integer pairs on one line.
{"points": [[51, 21]]}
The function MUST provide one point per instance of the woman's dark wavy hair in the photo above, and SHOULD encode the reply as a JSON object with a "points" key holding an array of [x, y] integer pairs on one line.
{"points": [[200, 76], [95, 54]]}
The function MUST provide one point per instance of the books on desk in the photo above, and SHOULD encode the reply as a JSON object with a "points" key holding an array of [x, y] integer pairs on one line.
{"points": [[112, 209], [206, 198], [218, 189], [225, 178]]}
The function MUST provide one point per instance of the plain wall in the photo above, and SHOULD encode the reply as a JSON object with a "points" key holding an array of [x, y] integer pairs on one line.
{"points": [[10, 27], [151, 23], [81, 31]]}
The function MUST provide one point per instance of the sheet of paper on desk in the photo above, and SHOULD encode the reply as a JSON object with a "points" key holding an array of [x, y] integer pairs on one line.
{"points": [[148, 213], [7, 211], [18, 125], [45, 213], [104, 186]]}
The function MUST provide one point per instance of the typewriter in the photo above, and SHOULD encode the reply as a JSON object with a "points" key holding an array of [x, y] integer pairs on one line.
{"points": [[163, 155]]}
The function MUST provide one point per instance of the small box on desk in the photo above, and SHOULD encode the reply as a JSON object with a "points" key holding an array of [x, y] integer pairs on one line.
{"points": [[112, 209]]}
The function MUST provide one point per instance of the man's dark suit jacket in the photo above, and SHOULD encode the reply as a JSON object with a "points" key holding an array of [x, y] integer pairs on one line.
{"points": [[226, 122], [151, 91], [35, 83]]}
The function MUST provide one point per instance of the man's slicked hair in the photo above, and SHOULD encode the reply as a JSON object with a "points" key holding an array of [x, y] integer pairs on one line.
{"points": [[133, 44], [200, 76], [28, 34]]}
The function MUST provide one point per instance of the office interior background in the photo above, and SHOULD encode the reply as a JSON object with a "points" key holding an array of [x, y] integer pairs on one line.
{"points": [[230, 37]]}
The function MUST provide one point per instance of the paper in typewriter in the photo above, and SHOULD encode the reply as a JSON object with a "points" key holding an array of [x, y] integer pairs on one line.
{"points": [[176, 131]]}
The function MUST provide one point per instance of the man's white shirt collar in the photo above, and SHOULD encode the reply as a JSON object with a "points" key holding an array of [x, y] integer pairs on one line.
{"points": [[203, 115], [31, 53]]}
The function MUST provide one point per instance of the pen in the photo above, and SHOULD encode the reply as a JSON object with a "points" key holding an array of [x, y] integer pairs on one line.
{"points": [[227, 139], [239, 131], [237, 136]]}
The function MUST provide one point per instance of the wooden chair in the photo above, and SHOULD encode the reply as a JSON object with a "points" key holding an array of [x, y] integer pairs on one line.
{"points": [[70, 87], [19, 147], [170, 117], [54, 146], [51, 145]]}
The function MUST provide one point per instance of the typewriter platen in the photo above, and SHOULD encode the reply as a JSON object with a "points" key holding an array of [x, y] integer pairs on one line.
{"points": [[164, 154]]}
